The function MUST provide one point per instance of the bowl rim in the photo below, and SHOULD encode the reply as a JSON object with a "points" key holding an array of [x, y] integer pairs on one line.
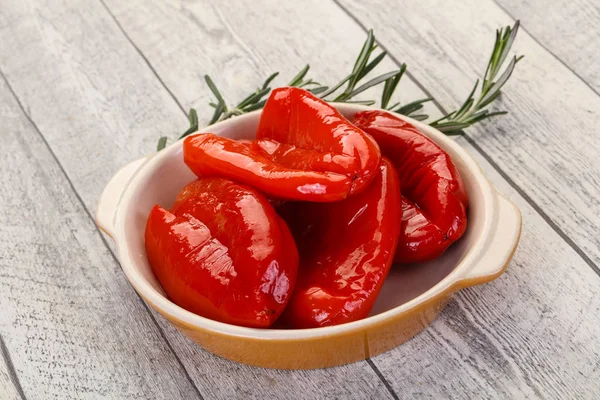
{"points": [[166, 307]]}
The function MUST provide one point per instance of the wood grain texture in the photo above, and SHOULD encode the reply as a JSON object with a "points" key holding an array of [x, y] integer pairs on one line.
{"points": [[74, 327], [548, 144], [183, 41], [10, 388], [569, 29], [100, 106], [529, 334], [513, 338]]}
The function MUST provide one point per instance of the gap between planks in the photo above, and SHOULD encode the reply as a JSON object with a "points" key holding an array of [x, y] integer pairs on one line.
{"points": [[485, 155], [12, 372], [518, 189], [557, 58], [137, 49], [151, 67], [89, 214]]}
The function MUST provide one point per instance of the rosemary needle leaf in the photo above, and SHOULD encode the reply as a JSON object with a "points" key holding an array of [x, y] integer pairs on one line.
{"points": [[298, 78], [363, 102], [452, 127], [214, 90], [508, 43], [256, 106], [253, 98], [193, 119], [476, 115], [486, 115], [420, 117], [491, 60], [363, 58], [309, 82], [270, 79], [388, 89], [390, 86], [372, 82], [246, 100], [468, 103], [371, 65], [162, 143], [409, 108], [499, 48], [318, 90], [445, 117], [336, 87], [490, 99], [394, 106], [217, 114], [464, 108], [405, 110], [498, 85], [496, 113]]}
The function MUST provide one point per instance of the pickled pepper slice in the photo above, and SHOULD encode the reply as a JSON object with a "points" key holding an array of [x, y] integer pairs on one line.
{"points": [[304, 150], [434, 198], [223, 253], [346, 250]]}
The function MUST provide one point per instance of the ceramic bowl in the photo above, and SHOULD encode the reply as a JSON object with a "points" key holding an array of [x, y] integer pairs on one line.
{"points": [[411, 298]]}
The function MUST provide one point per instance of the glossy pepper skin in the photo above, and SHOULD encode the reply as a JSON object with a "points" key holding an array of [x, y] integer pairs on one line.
{"points": [[434, 199], [307, 124], [305, 150], [223, 253], [346, 250], [211, 155]]}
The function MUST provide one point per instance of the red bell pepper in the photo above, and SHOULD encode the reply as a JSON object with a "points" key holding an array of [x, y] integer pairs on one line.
{"points": [[434, 199], [346, 250], [305, 150], [211, 155], [223, 253]]}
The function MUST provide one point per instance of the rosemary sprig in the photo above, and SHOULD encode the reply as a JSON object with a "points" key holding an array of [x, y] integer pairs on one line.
{"points": [[193, 119], [353, 81], [473, 111], [362, 66]]}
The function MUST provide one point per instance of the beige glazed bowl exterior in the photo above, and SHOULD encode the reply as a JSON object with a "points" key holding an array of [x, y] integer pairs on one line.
{"points": [[410, 300]]}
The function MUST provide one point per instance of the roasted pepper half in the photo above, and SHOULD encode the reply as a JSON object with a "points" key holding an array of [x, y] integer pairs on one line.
{"points": [[223, 253], [346, 250], [434, 199], [305, 150]]}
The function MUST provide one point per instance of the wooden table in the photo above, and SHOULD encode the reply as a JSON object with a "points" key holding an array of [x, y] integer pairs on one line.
{"points": [[89, 85]]}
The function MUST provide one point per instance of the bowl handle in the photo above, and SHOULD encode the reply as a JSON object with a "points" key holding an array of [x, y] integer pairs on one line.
{"points": [[502, 245], [111, 196]]}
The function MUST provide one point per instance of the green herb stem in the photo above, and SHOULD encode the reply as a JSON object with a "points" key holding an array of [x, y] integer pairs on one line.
{"points": [[472, 110]]}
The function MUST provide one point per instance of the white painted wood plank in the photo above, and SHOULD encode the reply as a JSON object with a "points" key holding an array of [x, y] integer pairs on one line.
{"points": [[183, 42], [99, 106], [426, 364], [8, 385], [568, 28], [548, 144], [74, 327], [530, 334], [510, 338], [74, 57]]}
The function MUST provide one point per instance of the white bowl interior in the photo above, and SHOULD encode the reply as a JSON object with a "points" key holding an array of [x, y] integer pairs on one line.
{"points": [[167, 176]]}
